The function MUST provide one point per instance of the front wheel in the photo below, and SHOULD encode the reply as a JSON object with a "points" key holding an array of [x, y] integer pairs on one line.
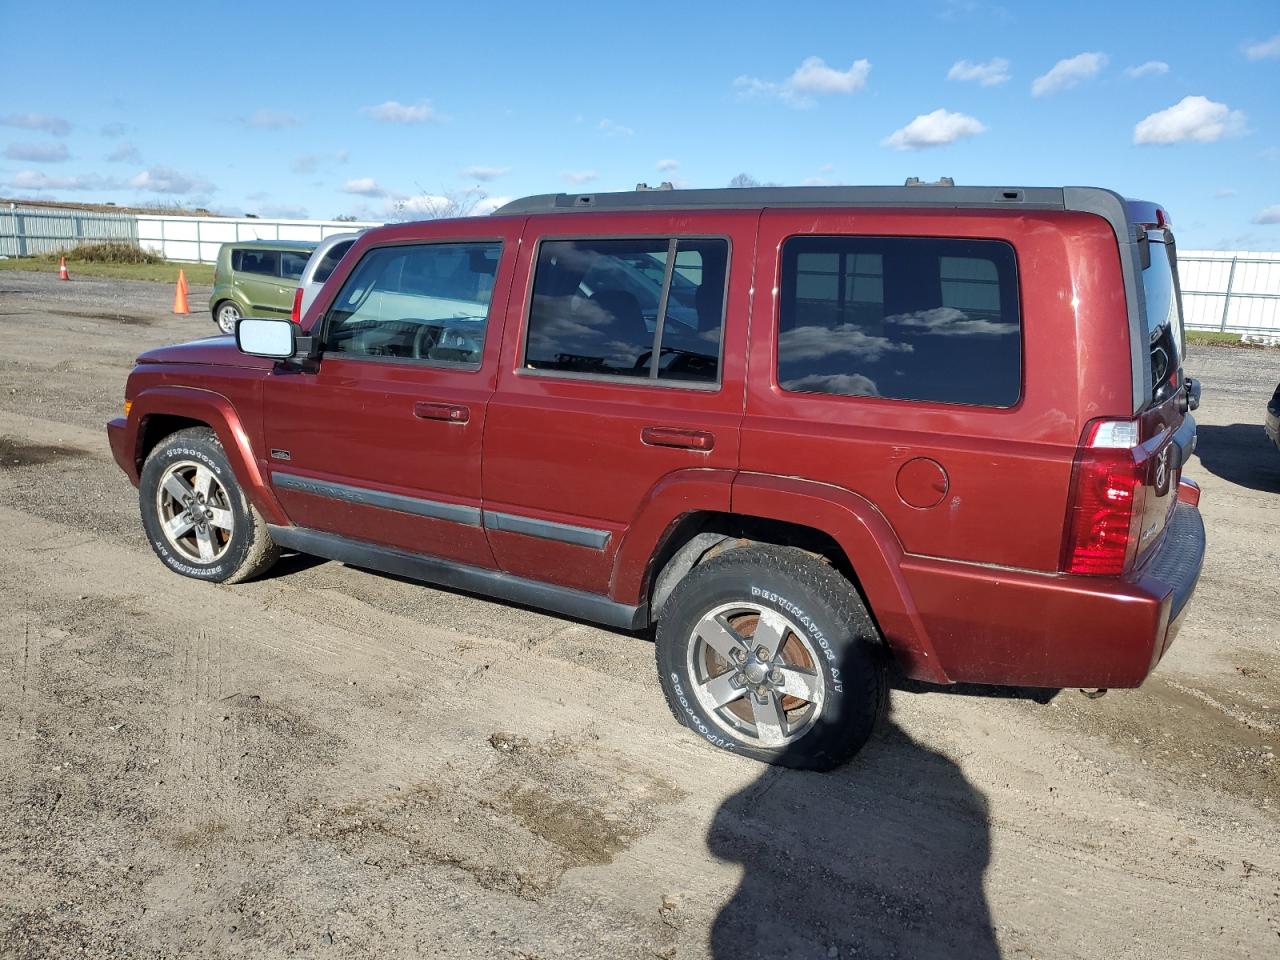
{"points": [[225, 316], [196, 517], [769, 652]]}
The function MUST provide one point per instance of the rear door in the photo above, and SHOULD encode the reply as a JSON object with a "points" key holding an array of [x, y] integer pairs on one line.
{"points": [[623, 365], [382, 440], [257, 281]]}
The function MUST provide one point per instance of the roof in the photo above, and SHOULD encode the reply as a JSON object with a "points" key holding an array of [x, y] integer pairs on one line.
{"points": [[273, 244], [923, 195]]}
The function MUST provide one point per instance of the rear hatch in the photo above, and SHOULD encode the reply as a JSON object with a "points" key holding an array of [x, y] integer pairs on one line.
{"points": [[1166, 429]]}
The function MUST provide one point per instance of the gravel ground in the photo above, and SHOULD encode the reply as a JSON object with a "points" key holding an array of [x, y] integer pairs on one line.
{"points": [[339, 764]]}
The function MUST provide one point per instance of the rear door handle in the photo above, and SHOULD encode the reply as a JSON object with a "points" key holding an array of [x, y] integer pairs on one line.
{"points": [[450, 412], [676, 437]]}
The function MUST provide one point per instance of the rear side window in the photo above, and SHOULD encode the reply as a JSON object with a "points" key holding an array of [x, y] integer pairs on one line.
{"points": [[901, 317], [642, 308], [416, 302], [329, 262], [293, 263], [263, 262]]}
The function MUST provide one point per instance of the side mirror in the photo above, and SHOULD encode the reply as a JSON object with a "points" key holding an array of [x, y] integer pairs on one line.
{"points": [[277, 339]]}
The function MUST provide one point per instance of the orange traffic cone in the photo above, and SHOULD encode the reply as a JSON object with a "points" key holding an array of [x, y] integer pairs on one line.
{"points": [[62, 270], [180, 295]]}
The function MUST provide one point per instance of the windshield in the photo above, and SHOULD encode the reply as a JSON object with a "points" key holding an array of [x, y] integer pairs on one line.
{"points": [[1164, 314]]}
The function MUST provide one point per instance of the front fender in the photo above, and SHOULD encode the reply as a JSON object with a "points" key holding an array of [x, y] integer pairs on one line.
{"points": [[867, 540], [220, 414]]}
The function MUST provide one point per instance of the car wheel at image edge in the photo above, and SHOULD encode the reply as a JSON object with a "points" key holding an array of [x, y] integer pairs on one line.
{"points": [[768, 652], [196, 517], [225, 316]]}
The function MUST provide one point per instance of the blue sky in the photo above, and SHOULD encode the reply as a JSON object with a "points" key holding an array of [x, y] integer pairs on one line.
{"points": [[319, 109]]}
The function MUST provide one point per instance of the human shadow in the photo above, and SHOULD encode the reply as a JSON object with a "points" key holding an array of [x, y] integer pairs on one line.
{"points": [[883, 857], [1241, 453]]}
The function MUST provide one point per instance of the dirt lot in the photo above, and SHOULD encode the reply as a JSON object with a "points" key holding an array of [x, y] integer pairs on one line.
{"points": [[335, 763]]}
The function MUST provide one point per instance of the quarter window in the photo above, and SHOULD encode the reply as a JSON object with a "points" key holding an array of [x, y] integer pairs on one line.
{"points": [[422, 302], [292, 264], [642, 308], [330, 261], [901, 317]]}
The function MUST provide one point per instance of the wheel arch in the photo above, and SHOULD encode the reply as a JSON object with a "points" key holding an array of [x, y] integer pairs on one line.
{"points": [[836, 525], [163, 410]]}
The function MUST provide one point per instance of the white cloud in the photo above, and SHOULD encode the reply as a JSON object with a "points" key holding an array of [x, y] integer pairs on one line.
{"points": [[1265, 50], [37, 121], [990, 74], [849, 384], [935, 129], [124, 153], [485, 174], [37, 152], [666, 166], [393, 111], [265, 119], [114, 129], [580, 176], [1152, 68], [168, 180], [1224, 193], [343, 155], [813, 78], [364, 186], [35, 180], [1069, 73], [815, 182], [307, 163], [1191, 118], [1269, 215], [611, 129]]}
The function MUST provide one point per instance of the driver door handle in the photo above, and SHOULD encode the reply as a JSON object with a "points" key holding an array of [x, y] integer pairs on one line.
{"points": [[677, 437], [449, 412]]}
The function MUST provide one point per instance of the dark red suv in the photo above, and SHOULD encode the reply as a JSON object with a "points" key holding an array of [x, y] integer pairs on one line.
{"points": [[797, 429]]}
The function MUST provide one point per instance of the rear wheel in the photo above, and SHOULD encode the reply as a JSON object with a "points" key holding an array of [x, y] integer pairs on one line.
{"points": [[225, 316], [196, 516], [768, 652]]}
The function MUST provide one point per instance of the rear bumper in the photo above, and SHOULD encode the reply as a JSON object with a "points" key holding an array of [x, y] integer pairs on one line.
{"points": [[1013, 627]]}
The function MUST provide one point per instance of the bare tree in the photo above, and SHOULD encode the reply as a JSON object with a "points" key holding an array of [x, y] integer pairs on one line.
{"points": [[437, 206], [747, 180]]}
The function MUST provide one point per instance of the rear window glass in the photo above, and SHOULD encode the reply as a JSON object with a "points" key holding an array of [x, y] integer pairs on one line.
{"points": [[263, 262], [901, 317], [292, 264], [644, 308], [330, 260], [1164, 312]]}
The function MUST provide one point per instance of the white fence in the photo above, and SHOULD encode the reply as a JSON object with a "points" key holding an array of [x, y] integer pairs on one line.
{"points": [[1232, 291], [197, 239]]}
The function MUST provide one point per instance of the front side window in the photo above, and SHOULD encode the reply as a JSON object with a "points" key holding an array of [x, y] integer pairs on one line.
{"points": [[901, 317], [642, 308], [293, 263], [264, 263], [421, 302]]}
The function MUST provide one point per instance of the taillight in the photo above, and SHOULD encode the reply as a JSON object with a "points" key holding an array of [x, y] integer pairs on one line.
{"points": [[296, 313], [1107, 496]]}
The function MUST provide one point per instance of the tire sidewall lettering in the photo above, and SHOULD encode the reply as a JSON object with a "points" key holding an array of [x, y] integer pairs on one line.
{"points": [[798, 613]]}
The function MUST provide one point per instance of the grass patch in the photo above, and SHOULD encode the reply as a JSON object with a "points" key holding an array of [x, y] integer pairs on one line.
{"points": [[1214, 338], [159, 271]]}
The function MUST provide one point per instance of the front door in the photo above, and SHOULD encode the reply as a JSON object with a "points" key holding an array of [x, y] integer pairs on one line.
{"points": [[381, 442]]}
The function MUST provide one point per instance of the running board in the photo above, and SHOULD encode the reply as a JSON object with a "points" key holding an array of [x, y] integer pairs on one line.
{"points": [[461, 576]]}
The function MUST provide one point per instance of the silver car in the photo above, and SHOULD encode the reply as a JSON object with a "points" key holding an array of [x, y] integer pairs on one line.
{"points": [[324, 260]]}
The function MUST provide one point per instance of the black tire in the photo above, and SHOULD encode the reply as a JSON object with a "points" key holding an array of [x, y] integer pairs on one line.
{"points": [[838, 632], [225, 315], [243, 552]]}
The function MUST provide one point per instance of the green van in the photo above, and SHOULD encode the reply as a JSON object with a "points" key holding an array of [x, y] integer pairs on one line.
{"points": [[256, 278]]}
